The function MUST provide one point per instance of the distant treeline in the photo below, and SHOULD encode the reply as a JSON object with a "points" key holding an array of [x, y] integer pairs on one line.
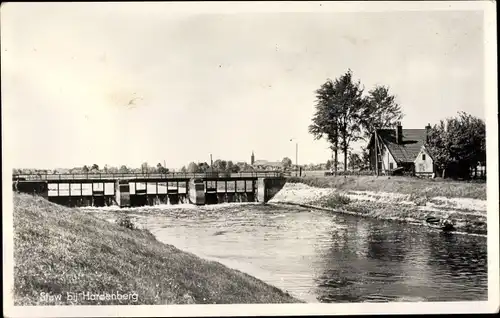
{"points": [[221, 166]]}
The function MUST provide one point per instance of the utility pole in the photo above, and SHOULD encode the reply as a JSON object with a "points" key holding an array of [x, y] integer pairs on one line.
{"points": [[297, 157], [211, 162], [376, 152]]}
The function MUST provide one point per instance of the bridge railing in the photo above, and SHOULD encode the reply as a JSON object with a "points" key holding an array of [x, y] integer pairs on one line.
{"points": [[170, 175]]}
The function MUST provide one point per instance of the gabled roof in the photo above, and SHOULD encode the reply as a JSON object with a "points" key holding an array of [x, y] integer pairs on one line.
{"points": [[267, 163], [407, 151], [425, 150]]}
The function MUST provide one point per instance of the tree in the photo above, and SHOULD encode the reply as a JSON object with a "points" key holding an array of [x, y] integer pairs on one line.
{"points": [[379, 110], [365, 158], [286, 163], [243, 166], [203, 167], [461, 139], [438, 144], [216, 164], [220, 165], [161, 169], [123, 169], [338, 110], [468, 138], [144, 167], [85, 169], [329, 164], [325, 121], [105, 169], [192, 167], [112, 170], [231, 167], [183, 169], [95, 167], [235, 168], [355, 161]]}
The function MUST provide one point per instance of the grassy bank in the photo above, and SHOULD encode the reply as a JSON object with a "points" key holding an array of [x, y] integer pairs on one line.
{"points": [[403, 185], [58, 250], [389, 202], [464, 221]]}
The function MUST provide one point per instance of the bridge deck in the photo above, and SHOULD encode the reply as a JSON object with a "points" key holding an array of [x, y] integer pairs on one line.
{"points": [[139, 177]]}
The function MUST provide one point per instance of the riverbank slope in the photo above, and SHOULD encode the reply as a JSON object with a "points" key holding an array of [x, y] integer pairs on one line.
{"points": [[59, 250], [392, 198]]}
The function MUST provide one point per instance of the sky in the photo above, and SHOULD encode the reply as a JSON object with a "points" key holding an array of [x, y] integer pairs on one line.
{"points": [[112, 83]]}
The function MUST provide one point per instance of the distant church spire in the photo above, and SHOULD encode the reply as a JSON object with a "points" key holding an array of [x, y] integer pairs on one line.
{"points": [[252, 159]]}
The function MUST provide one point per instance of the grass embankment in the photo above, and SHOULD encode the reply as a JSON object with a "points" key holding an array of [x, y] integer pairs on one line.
{"points": [[59, 250], [403, 185], [402, 198]]}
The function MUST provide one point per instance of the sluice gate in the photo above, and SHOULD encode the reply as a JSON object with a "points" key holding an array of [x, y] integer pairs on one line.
{"points": [[147, 190]]}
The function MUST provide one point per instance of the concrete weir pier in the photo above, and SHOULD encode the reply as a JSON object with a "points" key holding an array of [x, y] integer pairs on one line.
{"points": [[122, 193], [131, 190]]}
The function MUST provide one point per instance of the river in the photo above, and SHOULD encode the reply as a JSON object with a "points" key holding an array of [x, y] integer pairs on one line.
{"points": [[320, 256]]}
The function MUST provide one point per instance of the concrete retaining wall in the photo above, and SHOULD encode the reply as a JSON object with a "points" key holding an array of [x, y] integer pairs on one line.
{"points": [[268, 187]]}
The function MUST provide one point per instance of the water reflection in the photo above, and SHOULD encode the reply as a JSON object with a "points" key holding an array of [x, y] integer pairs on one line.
{"points": [[386, 261], [464, 259], [319, 256]]}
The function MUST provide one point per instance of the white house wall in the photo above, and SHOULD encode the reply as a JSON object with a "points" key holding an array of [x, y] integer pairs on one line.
{"points": [[424, 165], [387, 159]]}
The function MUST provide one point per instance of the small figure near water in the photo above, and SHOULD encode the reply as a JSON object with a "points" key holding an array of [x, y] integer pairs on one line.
{"points": [[436, 223], [16, 186]]}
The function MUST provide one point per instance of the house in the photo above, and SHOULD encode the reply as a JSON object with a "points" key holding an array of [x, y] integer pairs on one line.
{"points": [[267, 165], [264, 164], [424, 163], [401, 149]]}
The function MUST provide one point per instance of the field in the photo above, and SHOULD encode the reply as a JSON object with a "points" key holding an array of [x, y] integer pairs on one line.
{"points": [[59, 250]]}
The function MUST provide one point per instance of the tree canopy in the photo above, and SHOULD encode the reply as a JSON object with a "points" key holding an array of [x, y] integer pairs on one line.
{"points": [[343, 115], [337, 117], [379, 110], [192, 167], [161, 169], [459, 139], [286, 162]]}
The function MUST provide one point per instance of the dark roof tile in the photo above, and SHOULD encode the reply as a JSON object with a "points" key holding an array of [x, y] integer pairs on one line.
{"points": [[407, 151]]}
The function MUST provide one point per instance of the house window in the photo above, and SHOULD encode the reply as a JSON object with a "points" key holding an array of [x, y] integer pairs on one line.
{"points": [[391, 165], [423, 156]]}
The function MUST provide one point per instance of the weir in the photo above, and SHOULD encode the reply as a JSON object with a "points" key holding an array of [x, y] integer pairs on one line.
{"points": [[132, 190]]}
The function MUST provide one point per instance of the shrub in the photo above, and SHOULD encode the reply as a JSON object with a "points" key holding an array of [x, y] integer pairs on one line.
{"points": [[126, 221], [336, 200]]}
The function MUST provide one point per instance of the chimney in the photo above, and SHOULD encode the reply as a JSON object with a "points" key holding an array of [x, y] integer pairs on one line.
{"points": [[427, 132], [399, 133]]}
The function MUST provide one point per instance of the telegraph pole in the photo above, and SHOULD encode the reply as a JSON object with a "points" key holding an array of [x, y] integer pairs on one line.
{"points": [[297, 157], [376, 153]]}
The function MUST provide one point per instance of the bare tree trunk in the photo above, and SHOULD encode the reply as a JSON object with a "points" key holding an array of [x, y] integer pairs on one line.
{"points": [[376, 153], [345, 159], [335, 162], [336, 158], [444, 173]]}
